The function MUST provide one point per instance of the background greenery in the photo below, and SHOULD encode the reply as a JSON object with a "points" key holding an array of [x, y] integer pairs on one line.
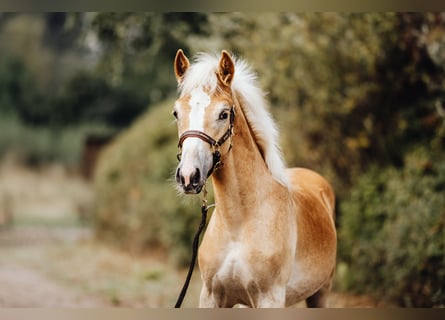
{"points": [[357, 97]]}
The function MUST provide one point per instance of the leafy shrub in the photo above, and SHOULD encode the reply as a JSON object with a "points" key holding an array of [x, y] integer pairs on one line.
{"points": [[36, 145], [392, 235], [18, 92], [138, 207], [88, 97]]}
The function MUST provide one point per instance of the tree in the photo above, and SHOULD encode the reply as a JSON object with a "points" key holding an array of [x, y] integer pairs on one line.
{"points": [[139, 48]]}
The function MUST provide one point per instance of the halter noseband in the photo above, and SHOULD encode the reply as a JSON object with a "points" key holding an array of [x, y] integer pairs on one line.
{"points": [[213, 143]]}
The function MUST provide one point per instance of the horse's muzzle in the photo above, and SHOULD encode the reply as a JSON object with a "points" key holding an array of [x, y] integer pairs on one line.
{"points": [[190, 183]]}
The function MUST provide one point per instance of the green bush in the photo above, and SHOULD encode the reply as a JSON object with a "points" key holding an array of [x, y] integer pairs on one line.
{"points": [[138, 207], [18, 92], [35, 145], [392, 236], [88, 97]]}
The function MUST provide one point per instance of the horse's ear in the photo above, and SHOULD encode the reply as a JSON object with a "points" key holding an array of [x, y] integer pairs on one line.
{"points": [[226, 69], [181, 64]]}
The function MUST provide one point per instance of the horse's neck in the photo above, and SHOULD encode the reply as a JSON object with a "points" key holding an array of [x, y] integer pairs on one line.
{"points": [[244, 180]]}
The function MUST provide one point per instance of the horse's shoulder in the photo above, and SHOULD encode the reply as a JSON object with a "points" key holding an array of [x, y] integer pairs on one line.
{"points": [[315, 201], [307, 185]]}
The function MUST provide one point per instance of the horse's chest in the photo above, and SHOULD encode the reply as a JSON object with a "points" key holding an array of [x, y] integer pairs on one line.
{"points": [[233, 277], [234, 266]]}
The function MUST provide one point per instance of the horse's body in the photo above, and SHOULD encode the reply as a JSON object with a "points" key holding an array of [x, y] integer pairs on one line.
{"points": [[271, 240]]}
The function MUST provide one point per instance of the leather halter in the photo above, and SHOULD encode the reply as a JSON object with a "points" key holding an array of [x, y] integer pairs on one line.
{"points": [[212, 142]]}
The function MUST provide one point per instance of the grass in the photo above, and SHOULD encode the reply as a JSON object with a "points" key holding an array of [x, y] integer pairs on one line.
{"points": [[41, 220]]}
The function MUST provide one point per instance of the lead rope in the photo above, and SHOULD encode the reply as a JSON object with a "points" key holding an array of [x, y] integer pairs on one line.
{"points": [[204, 209]]}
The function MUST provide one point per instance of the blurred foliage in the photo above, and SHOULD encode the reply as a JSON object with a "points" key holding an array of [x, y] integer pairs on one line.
{"points": [[36, 146], [66, 70], [50, 45], [91, 98], [39, 128], [18, 93], [55, 78], [81, 95], [393, 232], [139, 48]]}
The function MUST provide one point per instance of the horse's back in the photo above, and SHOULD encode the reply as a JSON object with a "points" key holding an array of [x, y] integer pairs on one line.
{"points": [[317, 240]]}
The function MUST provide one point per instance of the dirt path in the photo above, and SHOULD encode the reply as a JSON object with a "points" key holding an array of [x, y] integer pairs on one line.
{"points": [[39, 209], [24, 287]]}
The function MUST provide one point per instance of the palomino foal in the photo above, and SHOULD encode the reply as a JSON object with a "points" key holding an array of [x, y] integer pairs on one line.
{"points": [[271, 240]]}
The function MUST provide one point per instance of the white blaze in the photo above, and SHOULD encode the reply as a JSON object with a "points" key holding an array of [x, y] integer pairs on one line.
{"points": [[193, 153], [199, 101]]}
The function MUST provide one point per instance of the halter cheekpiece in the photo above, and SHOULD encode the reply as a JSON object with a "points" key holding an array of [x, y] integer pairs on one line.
{"points": [[213, 143]]}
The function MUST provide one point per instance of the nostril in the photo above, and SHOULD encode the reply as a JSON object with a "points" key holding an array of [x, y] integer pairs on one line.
{"points": [[196, 177], [179, 177]]}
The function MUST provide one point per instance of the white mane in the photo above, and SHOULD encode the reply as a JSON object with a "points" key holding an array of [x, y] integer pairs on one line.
{"points": [[202, 73]]}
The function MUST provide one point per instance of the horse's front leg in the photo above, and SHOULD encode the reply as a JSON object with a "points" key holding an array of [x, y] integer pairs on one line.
{"points": [[206, 299], [275, 297]]}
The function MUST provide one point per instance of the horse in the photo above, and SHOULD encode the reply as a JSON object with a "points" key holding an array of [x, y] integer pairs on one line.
{"points": [[271, 240]]}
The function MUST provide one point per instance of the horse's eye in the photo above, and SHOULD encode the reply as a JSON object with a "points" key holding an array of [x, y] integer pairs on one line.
{"points": [[175, 114], [223, 115]]}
